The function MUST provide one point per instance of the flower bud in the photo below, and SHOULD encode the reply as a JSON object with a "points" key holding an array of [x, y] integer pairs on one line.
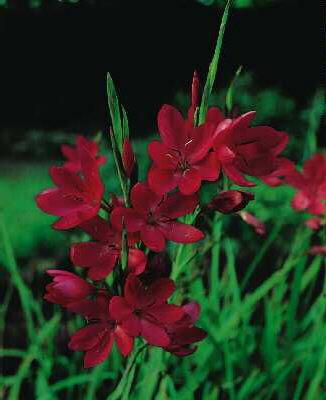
{"points": [[128, 158], [230, 201], [66, 288]]}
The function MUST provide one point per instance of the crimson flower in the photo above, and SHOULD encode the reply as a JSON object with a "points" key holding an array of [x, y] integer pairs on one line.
{"points": [[314, 223], [230, 201], [182, 158], [76, 198], [73, 154], [101, 255], [143, 310], [66, 288], [311, 186], [318, 251], [183, 333], [154, 217], [243, 150], [96, 339]]}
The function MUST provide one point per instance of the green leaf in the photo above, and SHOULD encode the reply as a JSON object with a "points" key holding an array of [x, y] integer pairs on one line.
{"points": [[115, 112]]}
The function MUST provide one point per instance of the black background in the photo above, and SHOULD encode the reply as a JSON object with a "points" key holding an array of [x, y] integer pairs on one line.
{"points": [[54, 59]]}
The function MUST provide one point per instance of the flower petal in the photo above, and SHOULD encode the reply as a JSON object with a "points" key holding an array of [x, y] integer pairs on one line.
{"points": [[190, 182], [86, 338], [99, 353], [124, 342], [171, 127], [162, 155], [181, 233], [137, 261], [176, 205], [166, 313], [300, 201], [154, 334], [162, 181], [152, 237], [119, 308], [143, 199]]}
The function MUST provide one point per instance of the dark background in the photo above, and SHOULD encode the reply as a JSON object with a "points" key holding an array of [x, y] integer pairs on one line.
{"points": [[54, 59]]}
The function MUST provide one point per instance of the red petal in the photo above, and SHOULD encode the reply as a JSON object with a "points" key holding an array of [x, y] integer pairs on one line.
{"points": [[193, 310], [214, 115], [87, 254], [124, 342], [66, 180], [162, 155], [160, 290], [162, 181], [152, 237], [103, 268], [236, 176], [300, 201], [88, 337], [135, 293], [131, 325], [166, 313], [181, 233], [119, 308], [75, 218], [99, 229], [190, 182], [143, 199], [154, 334], [55, 202], [137, 261], [176, 205], [128, 217], [209, 168], [100, 352], [171, 127], [91, 174]]}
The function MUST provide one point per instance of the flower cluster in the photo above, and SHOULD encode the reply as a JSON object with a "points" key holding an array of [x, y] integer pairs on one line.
{"points": [[126, 291]]}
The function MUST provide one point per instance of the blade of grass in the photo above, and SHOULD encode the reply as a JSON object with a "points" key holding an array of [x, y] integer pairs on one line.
{"points": [[215, 261], [25, 294], [46, 333], [115, 114], [213, 66], [261, 254]]}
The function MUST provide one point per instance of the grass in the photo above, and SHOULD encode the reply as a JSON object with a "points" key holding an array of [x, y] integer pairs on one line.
{"points": [[265, 319]]}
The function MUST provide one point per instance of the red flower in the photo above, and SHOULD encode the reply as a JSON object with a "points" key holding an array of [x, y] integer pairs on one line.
{"points": [[243, 150], [311, 185], [143, 310], [182, 333], [230, 201], [318, 251], [73, 154], [101, 255], [96, 339], [250, 219], [128, 158], [76, 199], [314, 223], [182, 159], [66, 288], [154, 217]]}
